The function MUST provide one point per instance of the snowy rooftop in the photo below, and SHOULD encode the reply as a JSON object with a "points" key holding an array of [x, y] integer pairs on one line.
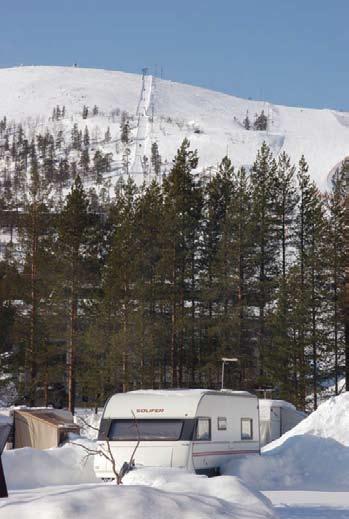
{"points": [[169, 403], [187, 392], [268, 403]]}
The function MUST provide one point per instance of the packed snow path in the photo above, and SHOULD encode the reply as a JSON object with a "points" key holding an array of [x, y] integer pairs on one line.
{"points": [[143, 126], [310, 505]]}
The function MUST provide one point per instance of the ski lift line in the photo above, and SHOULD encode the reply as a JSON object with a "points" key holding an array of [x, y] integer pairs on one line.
{"points": [[142, 126]]}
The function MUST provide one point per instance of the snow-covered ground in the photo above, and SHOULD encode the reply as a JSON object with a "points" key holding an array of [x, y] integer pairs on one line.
{"points": [[51, 484], [133, 502], [60, 483], [304, 474], [29, 468], [166, 112], [310, 505], [314, 455]]}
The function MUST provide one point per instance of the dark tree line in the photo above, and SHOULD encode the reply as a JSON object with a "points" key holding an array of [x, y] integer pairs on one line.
{"points": [[152, 286]]}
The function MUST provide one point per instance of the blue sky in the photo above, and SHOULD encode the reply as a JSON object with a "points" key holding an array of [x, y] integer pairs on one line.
{"points": [[291, 52]]}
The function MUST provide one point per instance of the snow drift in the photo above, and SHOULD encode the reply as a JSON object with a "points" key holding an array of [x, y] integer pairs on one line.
{"points": [[330, 420], [109, 501], [228, 488], [55, 487], [32, 468], [314, 455]]}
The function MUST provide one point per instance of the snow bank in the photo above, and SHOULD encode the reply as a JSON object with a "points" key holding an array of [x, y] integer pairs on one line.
{"points": [[53, 484], [147, 493], [110, 501], [32, 468], [228, 488], [301, 463], [314, 455], [330, 420], [60, 483]]}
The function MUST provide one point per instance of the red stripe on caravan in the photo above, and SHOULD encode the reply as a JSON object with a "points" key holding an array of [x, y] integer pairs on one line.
{"points": [[216, 453]]}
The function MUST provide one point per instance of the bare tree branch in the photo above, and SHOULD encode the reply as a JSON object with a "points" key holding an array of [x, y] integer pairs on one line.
{"points": [[108, 454], [139, 438], [87, 424]]}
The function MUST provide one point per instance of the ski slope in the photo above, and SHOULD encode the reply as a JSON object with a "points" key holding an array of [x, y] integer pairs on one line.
{"points": [[166, 112], [143, 132]]}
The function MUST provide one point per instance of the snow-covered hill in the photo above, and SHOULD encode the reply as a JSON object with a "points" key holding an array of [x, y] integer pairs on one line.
{"points": [[166, 112]]}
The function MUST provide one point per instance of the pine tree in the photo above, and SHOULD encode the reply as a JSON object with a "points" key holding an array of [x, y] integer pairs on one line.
{"points": [[307, 295], [120, 278], [246, 122], [241, 220], [32, 234], [263, 180], [75, 138], [98, 166], [59, 140], [336, 263], [73, 228], [261, 122], [107, 135], [86, 139], [84, 162], [125, 132], [346, 296], [182, 200], [11, 289], [151, 325], [85, 112], [286, 198], [126, 161], [156, 160], [214, 259]]}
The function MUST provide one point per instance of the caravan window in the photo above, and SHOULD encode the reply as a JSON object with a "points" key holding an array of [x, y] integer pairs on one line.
{"points": [[203, 429], [145, 430], [221, 423], [246, 428]]}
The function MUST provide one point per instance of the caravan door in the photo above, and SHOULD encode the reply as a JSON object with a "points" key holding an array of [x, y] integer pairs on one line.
{"points": [[202, 446]]}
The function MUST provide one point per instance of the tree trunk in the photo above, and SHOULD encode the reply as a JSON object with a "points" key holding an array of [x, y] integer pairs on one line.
{"points": [[346, 295], [174, 323], [34, 306], [72, 342]]}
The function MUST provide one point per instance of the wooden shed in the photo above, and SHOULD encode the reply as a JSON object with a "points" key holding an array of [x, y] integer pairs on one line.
{"points": [[42, 428]]}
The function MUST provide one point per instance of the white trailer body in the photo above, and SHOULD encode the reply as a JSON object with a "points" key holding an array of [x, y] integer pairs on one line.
{"points": [[195, 429], [277, 417]]}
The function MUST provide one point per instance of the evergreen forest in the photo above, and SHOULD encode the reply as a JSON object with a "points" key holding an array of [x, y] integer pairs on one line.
{"points": [[109, 288]]}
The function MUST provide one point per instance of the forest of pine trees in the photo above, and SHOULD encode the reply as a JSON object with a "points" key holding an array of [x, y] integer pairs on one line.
{"points": [[148, 287]]}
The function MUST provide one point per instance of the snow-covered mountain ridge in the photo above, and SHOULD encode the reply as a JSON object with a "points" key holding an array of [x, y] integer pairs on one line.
{"points": [[165, 112]]}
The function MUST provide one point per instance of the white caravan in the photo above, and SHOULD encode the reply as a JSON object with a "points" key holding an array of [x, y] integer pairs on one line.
{"points": [[196, 429], [277, 417]]}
